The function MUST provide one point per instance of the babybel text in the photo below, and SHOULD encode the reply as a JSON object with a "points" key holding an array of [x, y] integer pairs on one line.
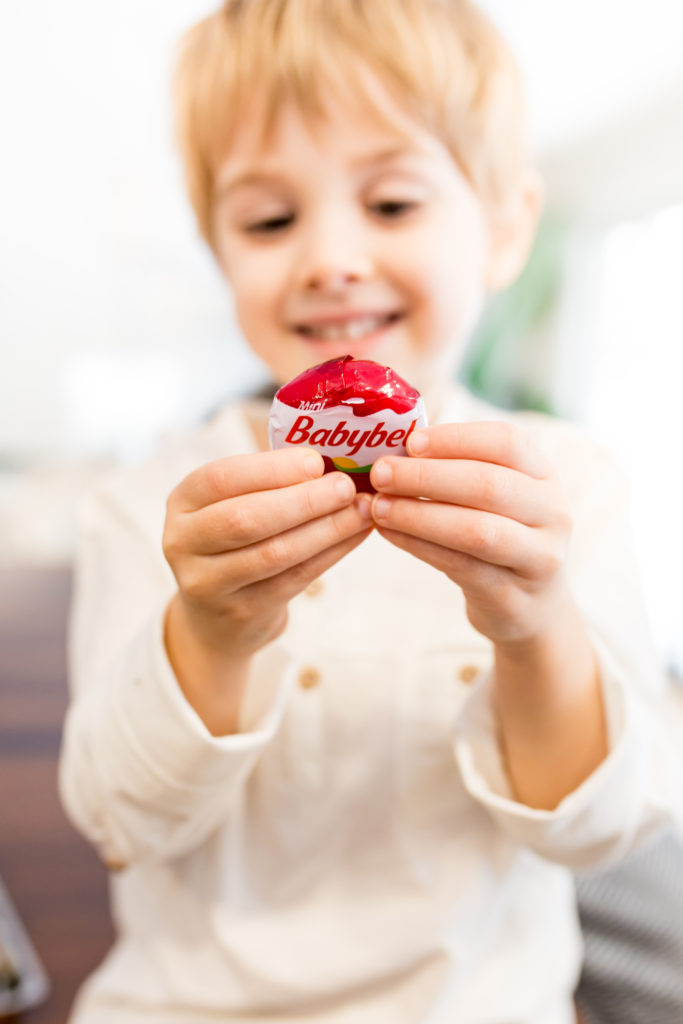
{"points": [[302, 433]]}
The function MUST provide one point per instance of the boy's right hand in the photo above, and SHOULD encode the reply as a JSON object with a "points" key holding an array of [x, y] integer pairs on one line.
{"points": [[244, 535]]}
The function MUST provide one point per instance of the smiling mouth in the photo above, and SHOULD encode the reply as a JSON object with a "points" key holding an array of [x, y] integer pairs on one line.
{"points": [[351, 329]]}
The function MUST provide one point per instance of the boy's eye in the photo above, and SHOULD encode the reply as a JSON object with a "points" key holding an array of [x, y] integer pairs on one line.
{"points": [[271, 225], [392, 209]]}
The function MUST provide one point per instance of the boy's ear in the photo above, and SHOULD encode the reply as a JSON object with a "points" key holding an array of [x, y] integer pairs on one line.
{"points": [[512, 232]]}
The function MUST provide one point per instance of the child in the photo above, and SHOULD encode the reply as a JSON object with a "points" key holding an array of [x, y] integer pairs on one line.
{"points": [[343, 752]]}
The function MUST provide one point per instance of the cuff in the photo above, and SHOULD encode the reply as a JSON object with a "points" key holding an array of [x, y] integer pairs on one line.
{"points": [[596, 822]]}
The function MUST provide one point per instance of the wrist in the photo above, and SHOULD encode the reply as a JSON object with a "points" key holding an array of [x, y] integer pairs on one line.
{"points": [[555, 662], [211, 675], [549, 705], [558, 618]]}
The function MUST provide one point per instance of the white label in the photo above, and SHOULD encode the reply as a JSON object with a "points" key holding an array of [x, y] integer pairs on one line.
{"points": [[352, 442]]}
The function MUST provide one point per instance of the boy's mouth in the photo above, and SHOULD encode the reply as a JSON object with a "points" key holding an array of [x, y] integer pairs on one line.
{"points": [[348, 328]]}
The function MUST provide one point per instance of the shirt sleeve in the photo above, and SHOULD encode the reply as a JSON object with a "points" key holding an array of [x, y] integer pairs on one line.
{"points": [[635, 791], [140, 774]]}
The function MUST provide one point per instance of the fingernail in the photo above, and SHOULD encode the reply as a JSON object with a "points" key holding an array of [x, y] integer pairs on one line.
{"points": [[418, 442], [312, 465], [344, 486], [364, 506], [380, 507], [381, 474]]}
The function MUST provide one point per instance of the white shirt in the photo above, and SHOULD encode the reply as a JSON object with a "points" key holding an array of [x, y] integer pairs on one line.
{"points": [[354, 855]]}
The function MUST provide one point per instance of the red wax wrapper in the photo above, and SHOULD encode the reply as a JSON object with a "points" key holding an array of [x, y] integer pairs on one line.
{"points": [[352, 411]]}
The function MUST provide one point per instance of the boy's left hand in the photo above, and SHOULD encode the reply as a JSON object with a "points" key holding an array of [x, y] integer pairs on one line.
{"points": [[496, 521]]}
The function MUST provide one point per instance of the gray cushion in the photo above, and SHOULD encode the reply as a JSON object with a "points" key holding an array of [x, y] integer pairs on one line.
{"points": [[632, 920]]}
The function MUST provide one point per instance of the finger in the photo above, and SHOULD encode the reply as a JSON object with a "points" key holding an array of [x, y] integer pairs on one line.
{"points": [[277, 554], [499, 442], [490, 538], [478, 578], [286, 585], [244, 474], [247, 519], [478, 485]]}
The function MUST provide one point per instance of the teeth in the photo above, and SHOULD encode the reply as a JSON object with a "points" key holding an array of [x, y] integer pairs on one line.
{"points": [[352, 329]]}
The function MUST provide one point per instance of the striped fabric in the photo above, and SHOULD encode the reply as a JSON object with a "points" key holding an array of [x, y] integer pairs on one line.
{"points": [[632, 919]]}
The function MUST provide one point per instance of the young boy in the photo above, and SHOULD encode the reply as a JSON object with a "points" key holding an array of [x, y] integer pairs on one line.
{"points": [[345, 751]]}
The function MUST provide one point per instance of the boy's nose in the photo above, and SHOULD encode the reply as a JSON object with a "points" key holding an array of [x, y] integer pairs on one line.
{"points": [[329, 277], [332, 261]]}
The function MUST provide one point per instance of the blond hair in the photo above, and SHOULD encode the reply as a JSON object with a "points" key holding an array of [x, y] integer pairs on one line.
{"points": [[441, 60]]}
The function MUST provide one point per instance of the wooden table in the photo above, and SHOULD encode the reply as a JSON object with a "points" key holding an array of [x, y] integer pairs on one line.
{"points": [[55, 880]]}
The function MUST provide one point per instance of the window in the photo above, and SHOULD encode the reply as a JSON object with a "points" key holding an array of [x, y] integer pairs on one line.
{"points": [[634, 401]]}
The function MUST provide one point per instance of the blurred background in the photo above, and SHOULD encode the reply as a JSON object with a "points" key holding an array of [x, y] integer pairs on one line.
{"points": [[116, 331]]}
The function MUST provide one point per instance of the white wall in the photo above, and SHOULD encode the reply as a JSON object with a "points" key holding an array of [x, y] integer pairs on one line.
{"points": [[104, 282], [590, 61], [629, 169]]}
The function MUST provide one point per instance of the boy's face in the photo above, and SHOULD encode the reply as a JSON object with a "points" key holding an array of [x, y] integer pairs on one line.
{"points": [[348, 235]]}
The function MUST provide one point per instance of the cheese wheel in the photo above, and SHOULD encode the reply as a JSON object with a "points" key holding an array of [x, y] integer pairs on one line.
{"points": [[352, 411]]}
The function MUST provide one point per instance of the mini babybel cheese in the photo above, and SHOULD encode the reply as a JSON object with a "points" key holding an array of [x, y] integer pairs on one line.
{"points": [[352, 411]]}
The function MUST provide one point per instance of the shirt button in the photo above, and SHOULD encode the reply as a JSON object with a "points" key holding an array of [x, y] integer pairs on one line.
{"points": [[468, 673], [314, 589], [115, 865], [309, 677]]}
